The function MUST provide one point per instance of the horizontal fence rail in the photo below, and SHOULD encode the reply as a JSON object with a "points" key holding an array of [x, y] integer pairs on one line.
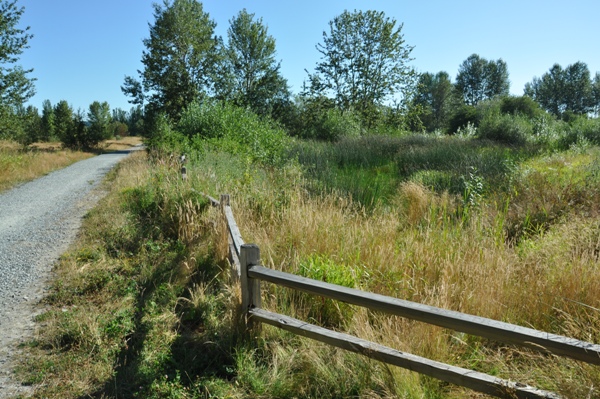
{"points": [[475, 325], [234, 237], [246, 268], [463, 377]]}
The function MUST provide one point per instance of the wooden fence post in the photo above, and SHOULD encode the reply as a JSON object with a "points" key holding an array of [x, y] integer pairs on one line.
{"points": [[250, 256], [183, 173], [224, 200]]}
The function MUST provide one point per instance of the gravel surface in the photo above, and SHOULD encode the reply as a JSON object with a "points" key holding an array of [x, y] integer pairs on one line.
{"points": [[38, 221]]}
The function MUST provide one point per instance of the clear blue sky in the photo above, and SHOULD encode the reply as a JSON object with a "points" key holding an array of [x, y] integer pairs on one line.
{"points": [[82, 49]]}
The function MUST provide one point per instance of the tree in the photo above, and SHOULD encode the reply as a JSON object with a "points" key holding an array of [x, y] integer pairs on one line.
{"points": [[15, 87], [561, 91], [98, 129], [364, 62], [178, 60], [479, 79], [135, 121], [578, 88], [48, 121], [64, 124], [134, 89], [251, 73], [596, 93], [31, 123], [435, 93]]}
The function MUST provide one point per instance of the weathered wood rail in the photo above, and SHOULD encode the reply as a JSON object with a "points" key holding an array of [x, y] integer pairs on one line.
{"points": [[247, 269]]}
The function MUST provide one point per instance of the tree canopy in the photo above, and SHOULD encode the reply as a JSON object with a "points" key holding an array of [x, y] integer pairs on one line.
{"points": [[15, 87], [250, 75], [479, 79], [566, 90], [179, 57], [364, 61], [435, 94]]}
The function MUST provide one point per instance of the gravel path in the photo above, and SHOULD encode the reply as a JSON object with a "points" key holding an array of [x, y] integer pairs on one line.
{"points": [[38, 221]]}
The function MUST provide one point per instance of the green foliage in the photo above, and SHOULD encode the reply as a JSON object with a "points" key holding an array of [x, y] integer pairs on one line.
{"points": [[20, 124], [99, 119], [10, 128], [178, 60], [64, 125], [436, 94], [523, 105], [48, 131], [464, 115], [560, 91], [479, 79], [319, 119], [364, 62], [32, 124], [585, 128], [250, 74], [508, 129], [16, 87], [326, 311], [237, 130], [332, 125]]}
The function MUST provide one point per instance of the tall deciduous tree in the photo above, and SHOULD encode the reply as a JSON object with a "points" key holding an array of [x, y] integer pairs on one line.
{"points": [[178, 59], [596, 93], [251, 75], [364, 61], [15, 87], [479, 79], [564, 90], [435, 93]]}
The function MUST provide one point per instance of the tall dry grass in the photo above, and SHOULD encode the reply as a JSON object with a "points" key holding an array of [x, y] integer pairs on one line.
{"points": [[18, 165], [421, 248], [421, 245]]}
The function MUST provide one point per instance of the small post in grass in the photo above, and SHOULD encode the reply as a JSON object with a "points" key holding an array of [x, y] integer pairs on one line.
{"points": [[183, 173], [182, 161], [250, 256]]}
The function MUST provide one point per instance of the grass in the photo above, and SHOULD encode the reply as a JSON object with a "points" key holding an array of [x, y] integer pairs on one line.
{"points": [[18, 165], [142, 307]]}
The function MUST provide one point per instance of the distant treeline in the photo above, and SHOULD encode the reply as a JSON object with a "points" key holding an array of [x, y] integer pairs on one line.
{"points": [[363, 83]]}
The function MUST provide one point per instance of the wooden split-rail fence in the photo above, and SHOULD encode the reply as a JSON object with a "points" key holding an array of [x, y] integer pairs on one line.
{"points": [[246, 268]]}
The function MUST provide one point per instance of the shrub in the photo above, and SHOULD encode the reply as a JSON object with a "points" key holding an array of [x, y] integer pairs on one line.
{"points": [[464, 115], [163, 138], [508, 129], [326, 311], [329, 125], [523, 105], [234, 129], [587, 128]]}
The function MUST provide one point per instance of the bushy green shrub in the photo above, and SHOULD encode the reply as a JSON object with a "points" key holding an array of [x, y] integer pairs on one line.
{"points": [[463, 116], [163, 138], [327, 311], [234, 129], [330, 125], [504, 128], [522, 105], [586, 128]]}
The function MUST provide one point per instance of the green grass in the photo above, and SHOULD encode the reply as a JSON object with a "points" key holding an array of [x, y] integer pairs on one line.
{"points": [[142, 307]]}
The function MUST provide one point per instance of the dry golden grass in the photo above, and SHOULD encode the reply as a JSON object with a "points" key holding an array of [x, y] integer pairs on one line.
{"points": [[121, 144], [419, 251], [19, 166], [421, 247]]}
